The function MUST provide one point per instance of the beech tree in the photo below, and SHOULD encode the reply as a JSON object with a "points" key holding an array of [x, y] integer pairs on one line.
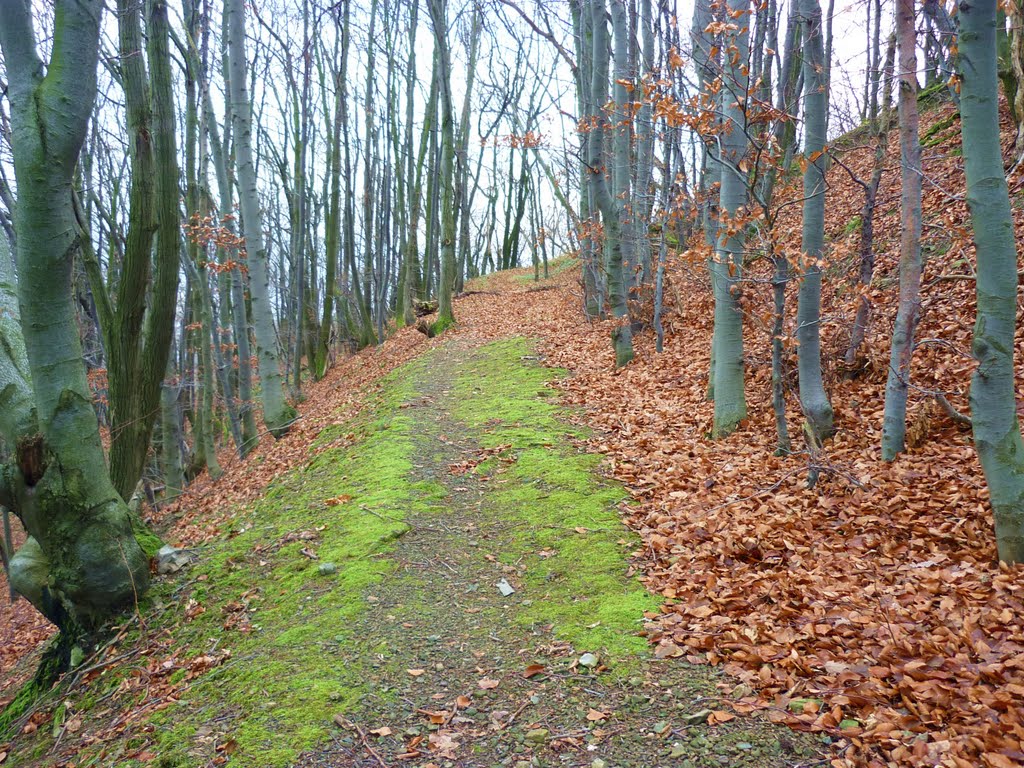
{"points": [[438, 17], [727, 264], [136, 313], [813, 399], [997, 436], [277, 413], [908, 311], [600, 191], [81, 560]]}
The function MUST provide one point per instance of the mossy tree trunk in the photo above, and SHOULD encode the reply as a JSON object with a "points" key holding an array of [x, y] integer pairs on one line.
{"points": [[997, 435], [367, 305], [332, 226], [622, 340], [137, 320], [409, 268], [593, 293], [622, 274], [463, 193], [82, 561], [413, 285]]}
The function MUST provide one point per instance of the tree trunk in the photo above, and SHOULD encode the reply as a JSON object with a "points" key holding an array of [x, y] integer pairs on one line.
{"points": [[880, 121], [622, 335], [894, 424], [997, 435], [333, 234], [82, 561], [404, 312], [138, 329], [445, 315], [813, 399], [593, 294], [277, 413], [643, 196], [239, 321], [730, 399], [462, 193], [622, 159], [207, 338], [170, 438]]}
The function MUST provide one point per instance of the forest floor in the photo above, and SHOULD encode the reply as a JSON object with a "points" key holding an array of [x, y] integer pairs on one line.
{"points": [[447, 584], [867, 612]]}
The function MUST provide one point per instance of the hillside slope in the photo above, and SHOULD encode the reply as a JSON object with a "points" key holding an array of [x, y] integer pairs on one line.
{"points": [[869, 609]]}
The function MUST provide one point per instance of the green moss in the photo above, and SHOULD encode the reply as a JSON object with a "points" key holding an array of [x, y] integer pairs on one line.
{"points": [[937, 93], [556, 266], [557, 504], [54, 662], [148, 541], [852, 225], [939, 131], [441, 325], [287, 675], [299, 662]]}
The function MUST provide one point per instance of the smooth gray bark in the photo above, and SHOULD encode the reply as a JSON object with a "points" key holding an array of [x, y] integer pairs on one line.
{"points": [[239, 320], [622, 335], [894, 424], [997, 435], [704, 47], [445, 314], [813, 400], [593, 298], [277, 413], [880, 119], [727, 265]]}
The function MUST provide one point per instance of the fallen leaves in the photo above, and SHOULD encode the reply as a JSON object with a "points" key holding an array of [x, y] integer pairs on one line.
{"points": [[487, 684], [873, 594], [444, 743], [533, 670]]}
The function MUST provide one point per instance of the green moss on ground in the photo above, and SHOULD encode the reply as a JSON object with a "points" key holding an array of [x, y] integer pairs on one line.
{"points": [[556, 266], [286, 677], [557, 504]]}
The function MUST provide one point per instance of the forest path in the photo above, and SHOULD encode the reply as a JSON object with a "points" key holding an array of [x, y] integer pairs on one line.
{"points": [[467, 673], [352, 613]]}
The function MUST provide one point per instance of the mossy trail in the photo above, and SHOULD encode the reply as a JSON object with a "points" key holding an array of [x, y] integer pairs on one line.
{"points": [[526, 508], [354, 616]]}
